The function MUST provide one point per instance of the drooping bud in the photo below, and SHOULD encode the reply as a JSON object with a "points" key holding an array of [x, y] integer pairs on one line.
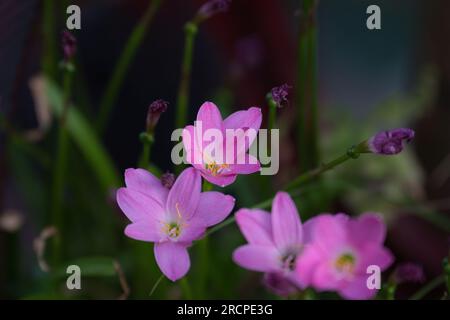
{"points": [[390, 142], [69, 45], [280, 94], [212, 7], [409, 272], [155, 110], [167, 180]]}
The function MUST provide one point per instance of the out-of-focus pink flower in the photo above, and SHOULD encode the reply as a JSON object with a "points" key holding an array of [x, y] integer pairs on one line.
{"points": [[218, 148], [274, 240], [213, 7], [173, 218], [338, 252], [409, 272]]}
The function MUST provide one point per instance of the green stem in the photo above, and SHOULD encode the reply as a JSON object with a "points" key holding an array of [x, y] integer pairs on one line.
{"points": [[187, 292], [147, 143], [203, 280], [306, 95], [156, 285], [127, 56], [58, 183], [190, 30], [272, 112], [430, 286]]}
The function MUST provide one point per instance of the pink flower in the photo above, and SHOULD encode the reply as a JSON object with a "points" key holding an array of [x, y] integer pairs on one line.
{"points": [[173, 218], [218, 148], [338, 252], [274, 240]]}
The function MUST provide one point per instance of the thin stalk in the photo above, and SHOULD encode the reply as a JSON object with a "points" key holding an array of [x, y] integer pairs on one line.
{"points": [[306, 93], [59, 177], [187, 292], [190, 30], [147, 143], [127, 56], [300, 181], [272, 113], [430, 286], [156, 285], [203, 254]]}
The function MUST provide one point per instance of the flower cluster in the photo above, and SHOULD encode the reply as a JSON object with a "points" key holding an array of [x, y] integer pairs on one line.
{"points": [[328, 252]]}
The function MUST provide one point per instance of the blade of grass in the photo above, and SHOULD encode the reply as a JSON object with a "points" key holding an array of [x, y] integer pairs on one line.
{"points": [[306, 95], [86, 139]]}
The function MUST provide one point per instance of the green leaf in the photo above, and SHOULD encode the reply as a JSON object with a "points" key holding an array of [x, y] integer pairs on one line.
{"points": [[85, 137]]}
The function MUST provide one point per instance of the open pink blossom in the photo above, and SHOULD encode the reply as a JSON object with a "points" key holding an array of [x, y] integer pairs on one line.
{"points": [[173, 218], [274, 240], [218, 148], [339, 250]]}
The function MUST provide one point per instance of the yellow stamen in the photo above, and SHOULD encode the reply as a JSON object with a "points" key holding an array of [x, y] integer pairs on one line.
{"points": [[216, 169], [345, 263]]}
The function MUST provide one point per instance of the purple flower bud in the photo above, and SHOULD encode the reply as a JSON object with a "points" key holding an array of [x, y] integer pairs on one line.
{"points": [[154, 112], [167, 180], [69, 45], [213, 7], [390, 142], [279, 95], [278, 284], [409, 272]]}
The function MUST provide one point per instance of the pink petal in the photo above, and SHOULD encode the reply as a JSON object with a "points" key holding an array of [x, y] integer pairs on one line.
{"points": [[219, 180], [237, 142], [324, 277], [255, 225], [307, 263], [193, 230], [257, 258], [374, 254], [172, 259], [286, 225], [357, 289], [251, 165], [244, 119], [367, 228], [184, 195], [210, 117], [143, 181], [328, 231], [213, 207], [193, 150], [144, 231], [138, 206], [250, 118]]}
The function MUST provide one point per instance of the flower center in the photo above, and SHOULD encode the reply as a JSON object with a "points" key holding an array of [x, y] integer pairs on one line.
{"points": [[173, 229], [288, 261], [345, 263], [216, 169], [289, 258]]}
